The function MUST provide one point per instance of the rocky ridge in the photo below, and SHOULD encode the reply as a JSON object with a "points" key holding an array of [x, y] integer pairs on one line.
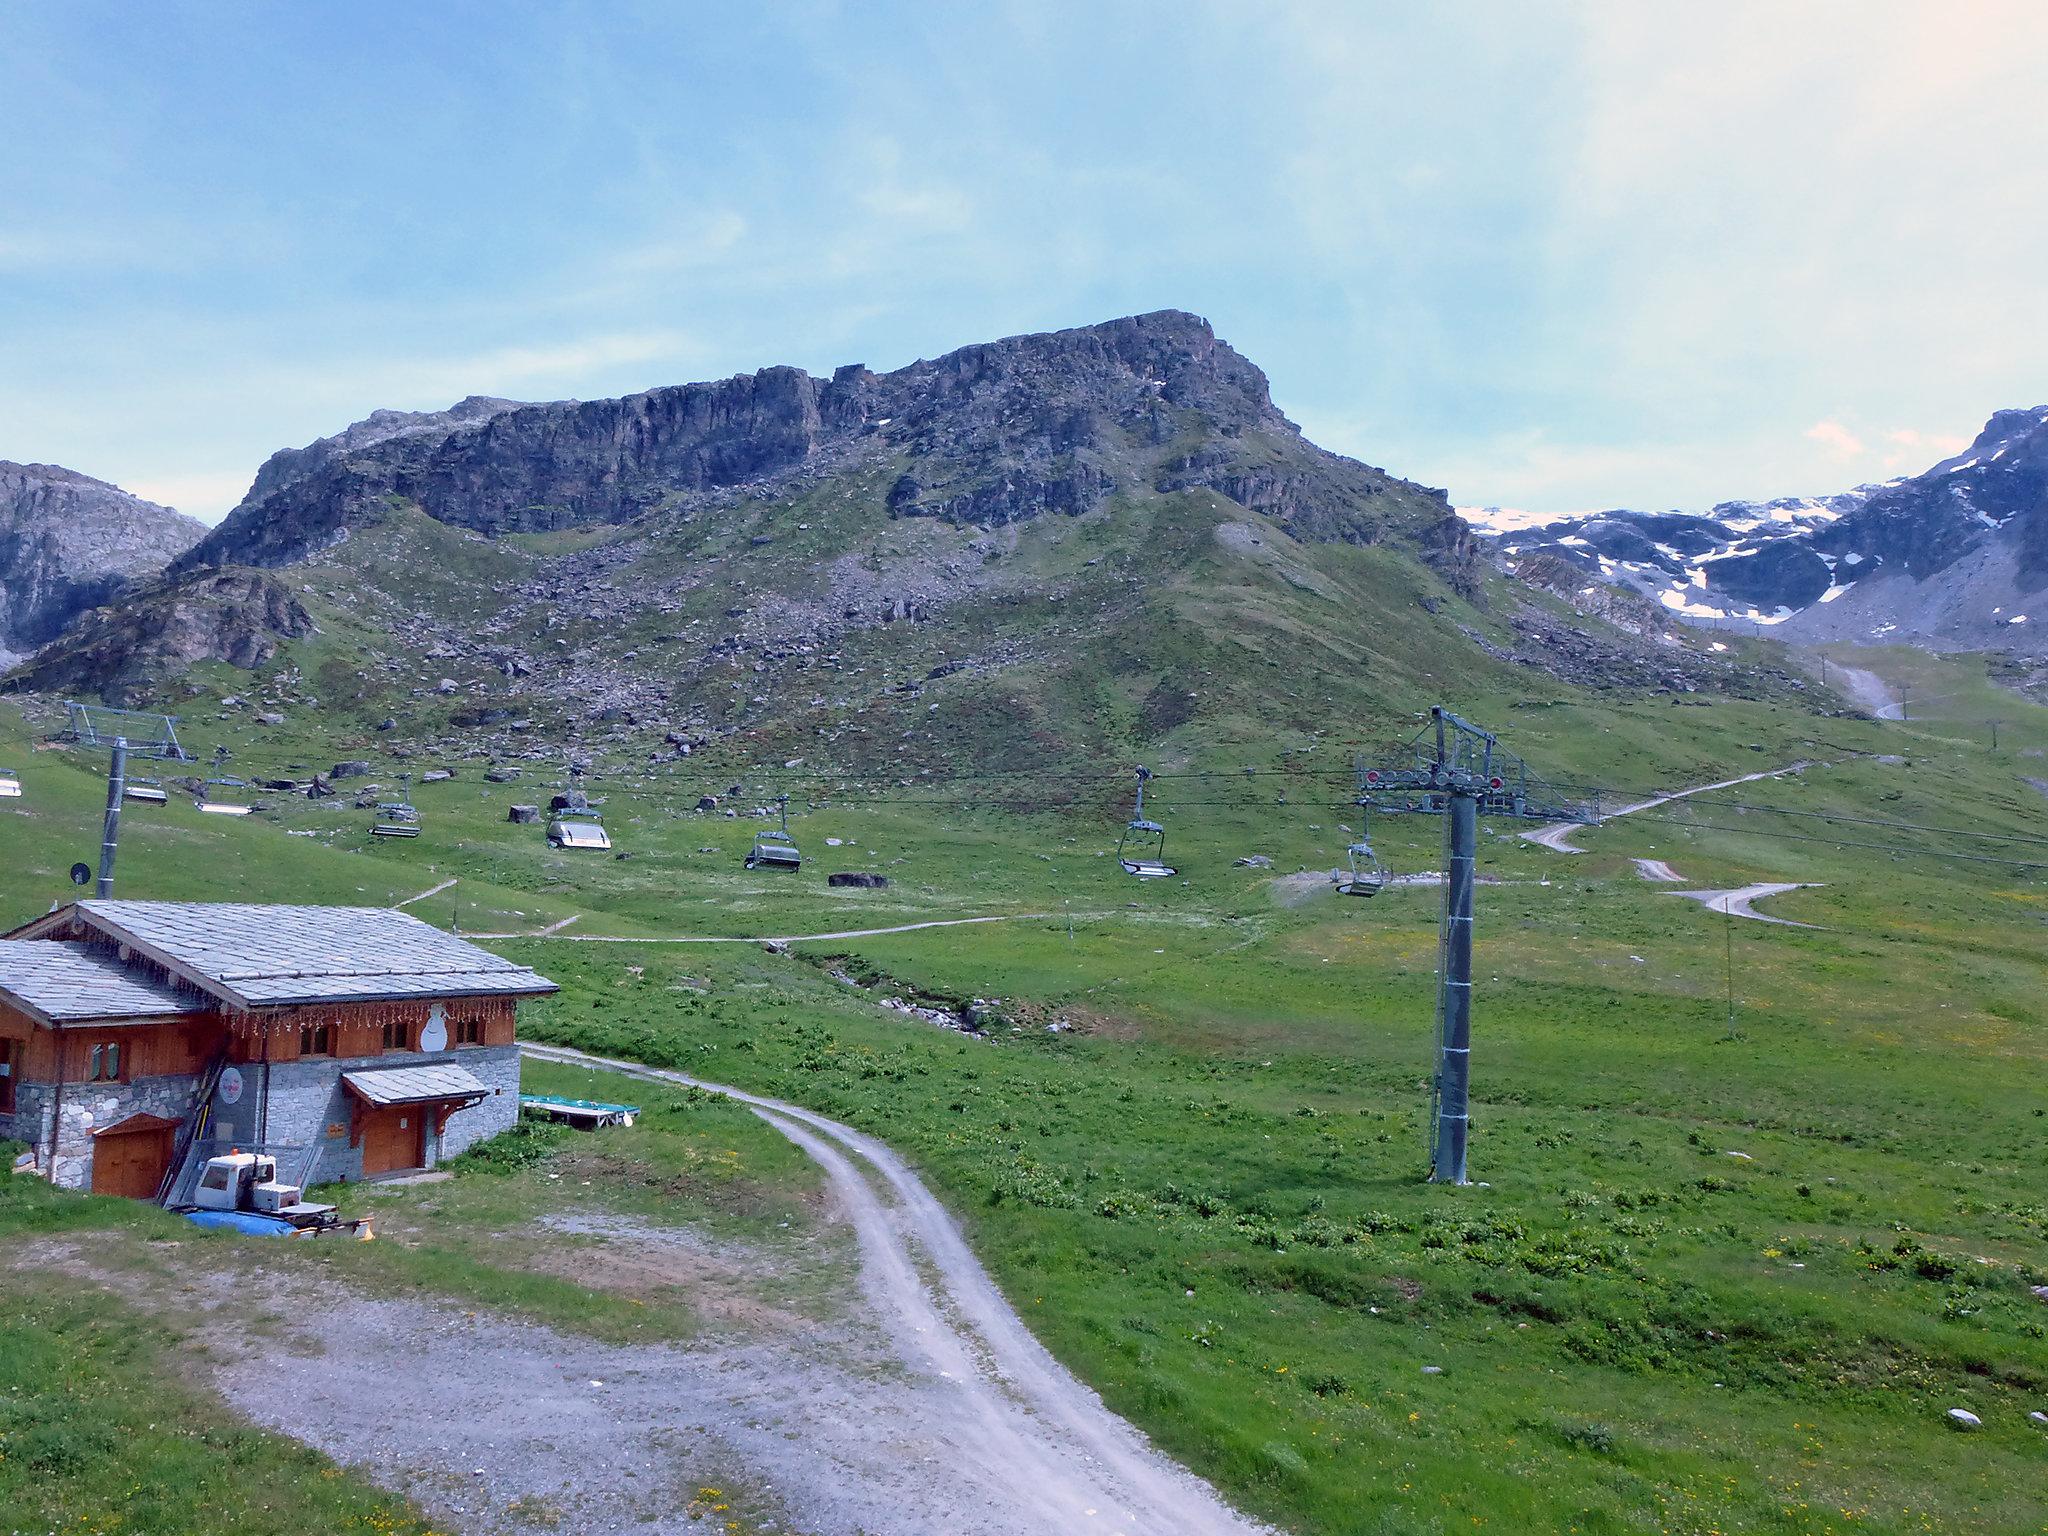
{"points": [[986, 436], [69, 543], [1954, 557]]}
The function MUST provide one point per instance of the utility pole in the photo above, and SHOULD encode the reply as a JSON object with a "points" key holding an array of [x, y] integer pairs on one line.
{"points": [[1455, 770], [110, 830]]}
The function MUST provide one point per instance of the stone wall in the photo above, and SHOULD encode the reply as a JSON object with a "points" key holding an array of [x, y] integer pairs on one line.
{"points": [[309, 1108], [90, 1107]]}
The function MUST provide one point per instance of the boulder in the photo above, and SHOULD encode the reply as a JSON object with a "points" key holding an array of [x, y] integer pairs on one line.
{"points": [[860, 879], [436, 776], [354, 768], [523, 814]]}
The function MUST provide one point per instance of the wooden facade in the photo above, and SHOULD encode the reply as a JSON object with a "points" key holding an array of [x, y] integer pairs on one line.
{"points": [[183, 1046]]}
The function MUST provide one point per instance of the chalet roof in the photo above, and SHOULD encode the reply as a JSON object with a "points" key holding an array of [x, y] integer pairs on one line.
{"points": [[61, 983], [255, 955], [435, 1084]]}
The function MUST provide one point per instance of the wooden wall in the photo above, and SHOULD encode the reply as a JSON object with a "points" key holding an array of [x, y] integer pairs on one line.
{"points": [[183, 1046]]}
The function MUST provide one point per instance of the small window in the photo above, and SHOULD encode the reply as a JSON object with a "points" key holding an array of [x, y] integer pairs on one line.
{"points": [[397, 1035], [105, 1065], [316, 1040], [216, 1178], [469, 1031]]}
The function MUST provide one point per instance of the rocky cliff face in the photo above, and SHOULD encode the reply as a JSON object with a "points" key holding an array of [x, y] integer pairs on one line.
{"points": [[68, 543], [983, 437], [1955, 556], [124, 651]]}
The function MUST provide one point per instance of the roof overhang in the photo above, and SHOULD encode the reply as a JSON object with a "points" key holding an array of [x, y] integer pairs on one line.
{"points": [[440, 1083]]}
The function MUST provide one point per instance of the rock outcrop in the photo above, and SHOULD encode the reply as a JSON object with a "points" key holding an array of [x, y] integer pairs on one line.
{"points": [[1052, 424], [121, 652], [69, 542]]}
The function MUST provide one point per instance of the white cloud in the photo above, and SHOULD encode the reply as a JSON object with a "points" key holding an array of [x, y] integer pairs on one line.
{"points": [[1839, 441]]}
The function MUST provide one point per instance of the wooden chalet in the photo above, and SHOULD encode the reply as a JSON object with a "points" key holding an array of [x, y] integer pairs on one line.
{"points": [[139, 1037]]}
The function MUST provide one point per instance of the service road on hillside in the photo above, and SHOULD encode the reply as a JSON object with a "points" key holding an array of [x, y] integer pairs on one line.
{"points": [[1013, 1442]]}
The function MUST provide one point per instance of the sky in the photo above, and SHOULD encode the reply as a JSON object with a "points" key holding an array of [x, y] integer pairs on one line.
{"points": [[1556, 257]]}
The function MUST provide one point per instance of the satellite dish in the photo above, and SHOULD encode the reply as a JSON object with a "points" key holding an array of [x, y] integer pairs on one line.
{"points": [[81, 874]]}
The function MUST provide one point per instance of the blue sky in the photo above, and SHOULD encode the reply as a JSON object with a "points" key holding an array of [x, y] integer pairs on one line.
{"points": [[1557, 257]]}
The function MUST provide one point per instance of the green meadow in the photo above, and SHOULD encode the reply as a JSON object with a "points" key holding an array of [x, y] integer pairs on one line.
{"points": [[1757, 1205]]}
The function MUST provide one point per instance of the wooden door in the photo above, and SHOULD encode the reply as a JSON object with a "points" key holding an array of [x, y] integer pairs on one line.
{"points": [[394, 1139], [130, 1163]]}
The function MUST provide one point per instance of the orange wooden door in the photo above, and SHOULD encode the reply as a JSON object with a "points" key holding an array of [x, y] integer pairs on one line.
{"points": [[394, 1139], [130, 1163]]}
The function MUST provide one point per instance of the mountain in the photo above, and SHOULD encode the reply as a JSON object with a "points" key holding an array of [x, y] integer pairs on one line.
{"points": [[1952, 558], [1031, 550], [68, 543]]}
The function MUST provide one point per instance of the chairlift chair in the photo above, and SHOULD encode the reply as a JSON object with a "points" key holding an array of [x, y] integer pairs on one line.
{"points": [[211, 798], [775, 850], [1366, 875], [586, 831], [397, 818], [144, 791], [1142, 849], [10, 784]]}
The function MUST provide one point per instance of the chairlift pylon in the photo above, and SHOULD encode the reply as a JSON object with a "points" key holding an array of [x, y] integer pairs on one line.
{"points": [[1142, 849], [775, 850], [397, 818]]}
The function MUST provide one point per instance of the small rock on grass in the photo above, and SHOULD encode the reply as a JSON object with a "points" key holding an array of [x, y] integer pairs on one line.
{"points": [[1962, 1418]]}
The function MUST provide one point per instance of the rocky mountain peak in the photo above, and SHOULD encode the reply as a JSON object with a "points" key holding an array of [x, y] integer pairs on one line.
{"points": [[69, 542], [987, 435]]}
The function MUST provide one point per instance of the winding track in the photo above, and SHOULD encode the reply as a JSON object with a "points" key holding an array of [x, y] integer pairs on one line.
{"points": [[1737, 902], [1557, 837], [1022, 1421]]}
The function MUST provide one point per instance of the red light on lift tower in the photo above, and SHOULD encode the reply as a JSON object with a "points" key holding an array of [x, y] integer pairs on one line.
{"points": [[1495, 782]]}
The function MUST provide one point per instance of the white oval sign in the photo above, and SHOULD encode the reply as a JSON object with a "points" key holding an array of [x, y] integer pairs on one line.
{"points": [[231, 1086], [434, 1035]]}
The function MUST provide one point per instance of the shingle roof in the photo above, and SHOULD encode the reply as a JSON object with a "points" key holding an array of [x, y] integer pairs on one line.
{"points": [[63, 983], [252, 955], [414, 1085]]}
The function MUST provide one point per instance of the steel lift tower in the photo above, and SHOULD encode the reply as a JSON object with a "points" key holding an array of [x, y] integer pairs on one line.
{"points": [[125, 733], [1456, 770]]}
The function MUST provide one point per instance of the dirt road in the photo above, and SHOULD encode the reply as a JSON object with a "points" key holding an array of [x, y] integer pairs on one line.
{"points": [[1737, 902], [554, 931], [1866, 690], [1018, 1444], [1557, 837]]}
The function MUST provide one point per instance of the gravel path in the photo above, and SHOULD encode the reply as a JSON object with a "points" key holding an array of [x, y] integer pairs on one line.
{"points": [[1558, 836], [924, 1408], [1866, 690], [1737, 902], [1019, 1444], [786, 938], [1658, 870]]}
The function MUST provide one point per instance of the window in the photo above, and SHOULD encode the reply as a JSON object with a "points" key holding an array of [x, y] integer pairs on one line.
{"points": [[105, 1066], [397, 1035], [10, 1057], [469, 1031], [316, 1040]]}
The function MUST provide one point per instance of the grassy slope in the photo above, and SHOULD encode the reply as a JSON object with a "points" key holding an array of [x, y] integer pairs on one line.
{"points": [[1637, 1330]]}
